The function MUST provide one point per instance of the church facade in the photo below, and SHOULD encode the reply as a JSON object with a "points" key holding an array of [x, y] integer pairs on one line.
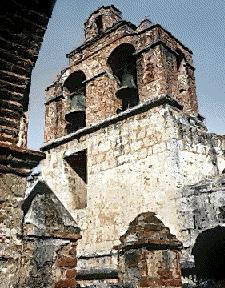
{"points": [[131, 191], [123, 136]]}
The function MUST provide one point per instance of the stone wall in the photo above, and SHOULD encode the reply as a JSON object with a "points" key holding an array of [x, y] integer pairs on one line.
{"points": [[147, 158], [201, 208], [12, 193], [48, 263], [23, 24], [218, 142], [49, 241], [137, 161], [38, 237]]}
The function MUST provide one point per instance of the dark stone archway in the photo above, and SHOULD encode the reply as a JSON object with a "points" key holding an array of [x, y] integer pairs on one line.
{"points": [[209, 255]]}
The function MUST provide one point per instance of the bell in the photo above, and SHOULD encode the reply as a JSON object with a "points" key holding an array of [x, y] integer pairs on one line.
{"points": [[77, 103], [128, 87], [127, 79], [75, 117]]}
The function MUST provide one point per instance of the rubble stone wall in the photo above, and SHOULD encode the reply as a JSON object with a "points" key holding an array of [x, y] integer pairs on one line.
{"points": [[48, 263], [202, 208], [12, 192], [136, 164]]}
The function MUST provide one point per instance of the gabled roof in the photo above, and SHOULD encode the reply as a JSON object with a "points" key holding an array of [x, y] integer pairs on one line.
{"points": [[45, 215]]}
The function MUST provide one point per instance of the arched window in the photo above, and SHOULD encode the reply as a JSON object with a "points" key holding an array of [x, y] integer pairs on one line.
{"points": [[123, 65], [76, 90]]}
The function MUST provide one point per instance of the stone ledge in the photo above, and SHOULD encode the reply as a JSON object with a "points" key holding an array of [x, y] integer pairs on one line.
{"points": [[111, 285], [151, 246], [17, 160], [97, 274], [55, 98], [140, 108], [57, 236], [206, 186]]}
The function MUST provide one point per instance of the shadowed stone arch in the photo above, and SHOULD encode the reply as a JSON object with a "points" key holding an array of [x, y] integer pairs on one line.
{"points": [[75, 89], [209, 255]]}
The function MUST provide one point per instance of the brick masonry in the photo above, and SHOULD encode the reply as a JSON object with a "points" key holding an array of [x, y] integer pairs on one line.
{"points": [[23, 24], [22, 30]]}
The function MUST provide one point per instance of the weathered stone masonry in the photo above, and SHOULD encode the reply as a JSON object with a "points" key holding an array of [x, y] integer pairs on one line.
{"points": [[23, 24], [127, 163], [152, 46], [141, 140]]}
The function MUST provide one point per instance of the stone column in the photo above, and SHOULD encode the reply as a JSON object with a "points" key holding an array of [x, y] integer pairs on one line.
{"points": [[149, 255]]}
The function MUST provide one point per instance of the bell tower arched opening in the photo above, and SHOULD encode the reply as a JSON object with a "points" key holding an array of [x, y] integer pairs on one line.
{"points": [[123, 66], [75, 88]]}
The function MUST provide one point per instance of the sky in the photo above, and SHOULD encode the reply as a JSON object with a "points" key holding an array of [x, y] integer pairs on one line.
{"points": [[198, 24]]}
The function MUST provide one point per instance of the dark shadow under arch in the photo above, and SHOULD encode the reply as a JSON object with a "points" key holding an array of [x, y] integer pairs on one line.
{"points": [[76, 89], [122, 63], [120, 57], [75, 81], [209, 254]]}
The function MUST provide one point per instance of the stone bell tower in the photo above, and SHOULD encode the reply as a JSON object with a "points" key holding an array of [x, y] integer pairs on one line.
{"points": [[118, 67], [122, 134]]}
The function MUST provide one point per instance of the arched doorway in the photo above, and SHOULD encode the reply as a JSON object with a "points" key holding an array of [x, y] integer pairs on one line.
{"points": [[209, 255]]}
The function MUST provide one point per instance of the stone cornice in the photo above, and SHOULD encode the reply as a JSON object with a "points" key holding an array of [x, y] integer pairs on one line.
{"points": [[120, 24]]}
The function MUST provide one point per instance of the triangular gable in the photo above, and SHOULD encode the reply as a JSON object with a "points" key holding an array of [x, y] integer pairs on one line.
{"points": [[45, 215]]}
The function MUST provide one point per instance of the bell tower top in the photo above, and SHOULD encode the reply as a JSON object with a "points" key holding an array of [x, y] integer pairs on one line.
{"points": [[100, 20]]}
